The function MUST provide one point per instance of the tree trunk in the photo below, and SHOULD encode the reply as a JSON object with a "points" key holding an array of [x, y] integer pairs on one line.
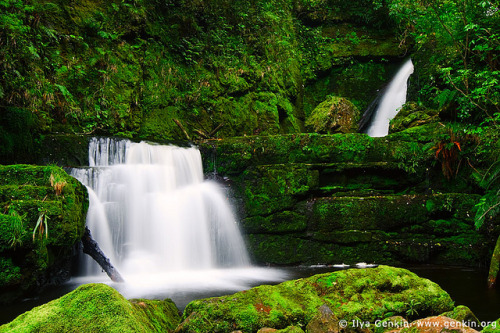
{"points": [[91, 248], [494, 265]]}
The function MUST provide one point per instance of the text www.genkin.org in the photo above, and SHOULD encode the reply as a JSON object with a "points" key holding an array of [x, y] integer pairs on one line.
{"points": [[448, 324]]}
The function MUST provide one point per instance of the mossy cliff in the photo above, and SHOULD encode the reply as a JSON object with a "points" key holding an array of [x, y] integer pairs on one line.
{"points": [[42, 218], [309, 198], [97, 308], [132, 67]]}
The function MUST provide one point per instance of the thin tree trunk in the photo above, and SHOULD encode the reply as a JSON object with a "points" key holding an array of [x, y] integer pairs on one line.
{"points": [[494, 265], [91, 248]]}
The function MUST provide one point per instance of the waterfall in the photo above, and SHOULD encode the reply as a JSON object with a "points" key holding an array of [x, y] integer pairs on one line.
{"points": [[152, 211], [392, 100]]}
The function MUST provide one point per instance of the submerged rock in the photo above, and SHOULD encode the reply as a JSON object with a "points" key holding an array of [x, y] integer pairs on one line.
{"points": [[97, 308], [355, 294]]}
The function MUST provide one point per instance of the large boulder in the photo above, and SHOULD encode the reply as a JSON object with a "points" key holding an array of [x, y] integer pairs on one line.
{"points": [[97, 308], [334, 115], [42, 219], [349, 295]]}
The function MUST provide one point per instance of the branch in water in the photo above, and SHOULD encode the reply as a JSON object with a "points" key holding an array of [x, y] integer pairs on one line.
{"points": [[91, 248]]}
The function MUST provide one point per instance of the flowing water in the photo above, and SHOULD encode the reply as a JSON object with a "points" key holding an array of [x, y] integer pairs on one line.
{"points": [[392, 100], [166, 229], [151, 211]]}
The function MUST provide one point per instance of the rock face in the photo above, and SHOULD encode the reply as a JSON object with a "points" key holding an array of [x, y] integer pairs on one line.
{"points": [[325, 299], [97, 308], [309, 199], [412, 115], [42, 218]]}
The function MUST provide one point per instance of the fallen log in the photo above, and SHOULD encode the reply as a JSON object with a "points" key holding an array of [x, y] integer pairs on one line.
{"points": [[91, 248]]}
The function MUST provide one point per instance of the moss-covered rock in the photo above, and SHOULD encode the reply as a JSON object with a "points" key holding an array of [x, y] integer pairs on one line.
{"points": [[97, 308], [43, 218], [386, 212], [494, 327], [412, 115], [437, 324], [364, 295], [463, 314], [334, 115]]}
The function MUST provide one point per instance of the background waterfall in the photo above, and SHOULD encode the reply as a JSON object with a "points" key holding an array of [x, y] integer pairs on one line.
{"points": [[392, 100], [151, 210]]}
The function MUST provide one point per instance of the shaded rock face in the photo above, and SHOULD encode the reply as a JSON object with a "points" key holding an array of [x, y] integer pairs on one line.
{"points": [[42, 219], [319, 302], [309, 199], [334, 115], [97, 308], [412, 115]]}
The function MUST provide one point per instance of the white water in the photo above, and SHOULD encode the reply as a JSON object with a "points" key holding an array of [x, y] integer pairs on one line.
{"points": [[152, 212], [391, 102]]}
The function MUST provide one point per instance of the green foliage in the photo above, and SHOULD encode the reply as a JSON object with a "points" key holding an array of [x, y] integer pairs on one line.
{"points": [[41, 225], [457, 46], [120, 67], [17, 228], [488, 206]]}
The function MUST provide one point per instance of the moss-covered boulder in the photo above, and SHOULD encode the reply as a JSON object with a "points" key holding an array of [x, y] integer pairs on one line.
{"points": [[42, 218], [493, 327], [437, 324], [334, 115], [365, 295], [97, 308], [412, 115], [463, 314]]}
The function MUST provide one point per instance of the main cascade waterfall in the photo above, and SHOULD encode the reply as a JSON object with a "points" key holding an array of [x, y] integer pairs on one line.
{"points": [[151, 210], [392, 100]]}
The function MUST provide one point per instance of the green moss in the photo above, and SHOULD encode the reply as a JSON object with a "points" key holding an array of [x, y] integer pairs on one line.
{"points": [[268, 189], [362, 294], [334, 115], [494, 327], [10, 274], [97, 308], [462, 314], [494, 264], [282, 222], [412, 115], [27, 192]]}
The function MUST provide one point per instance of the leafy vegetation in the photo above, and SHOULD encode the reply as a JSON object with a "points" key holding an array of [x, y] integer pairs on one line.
{"points": [[456, 45], [130, 68]]}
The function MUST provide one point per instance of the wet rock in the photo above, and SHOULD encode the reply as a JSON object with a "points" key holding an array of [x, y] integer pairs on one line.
{"points": [[361, 294], [324, 322], [97, 308]]}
